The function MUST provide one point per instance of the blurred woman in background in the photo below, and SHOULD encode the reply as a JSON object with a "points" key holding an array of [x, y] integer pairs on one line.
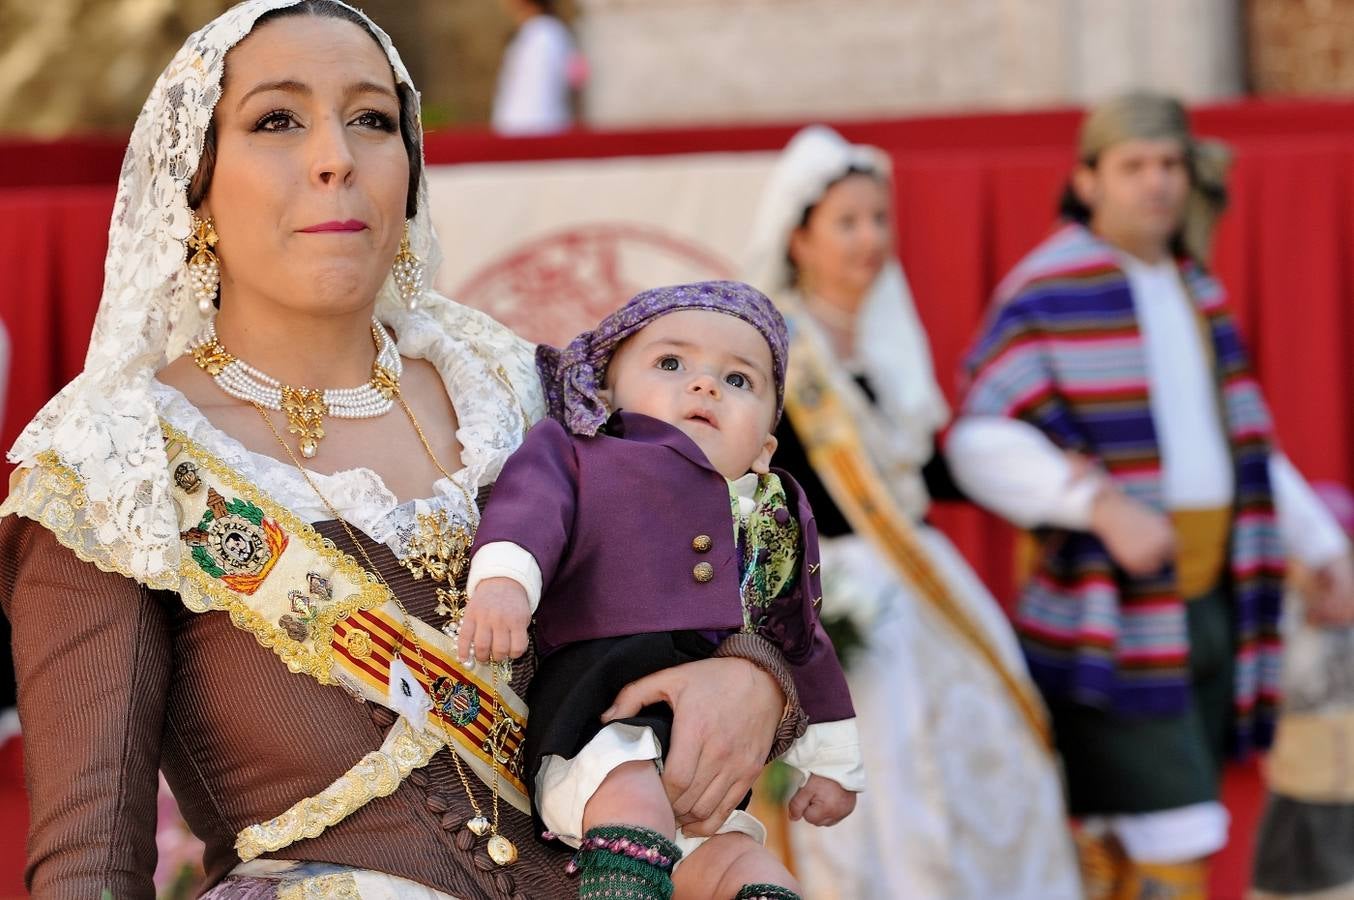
{"points": [[963, 797]]}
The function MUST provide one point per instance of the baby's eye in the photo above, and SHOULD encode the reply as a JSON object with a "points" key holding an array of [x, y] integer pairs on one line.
{"points": [[669, 363], [738, 380]]}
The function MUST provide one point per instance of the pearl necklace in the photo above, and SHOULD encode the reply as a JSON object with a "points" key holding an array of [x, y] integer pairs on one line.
{"points": [[305, 407]]}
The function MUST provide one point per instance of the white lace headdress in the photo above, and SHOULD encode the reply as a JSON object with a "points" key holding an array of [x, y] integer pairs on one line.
{"points": [[891, 346], [103, 427]]}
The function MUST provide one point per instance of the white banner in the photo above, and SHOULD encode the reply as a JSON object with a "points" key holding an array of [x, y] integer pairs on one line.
{"points": [[551, 247]]}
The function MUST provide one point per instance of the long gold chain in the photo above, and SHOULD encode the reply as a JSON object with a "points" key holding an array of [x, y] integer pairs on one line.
{"points": [[505, 853]]}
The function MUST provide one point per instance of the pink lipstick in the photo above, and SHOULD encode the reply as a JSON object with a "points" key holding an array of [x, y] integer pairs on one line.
{"points": [[348, 225]]}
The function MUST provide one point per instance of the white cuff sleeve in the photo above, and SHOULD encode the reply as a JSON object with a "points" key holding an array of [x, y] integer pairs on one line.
{"points": [[1013, 469], [504, 559], [1309, 531], [832, 750]]}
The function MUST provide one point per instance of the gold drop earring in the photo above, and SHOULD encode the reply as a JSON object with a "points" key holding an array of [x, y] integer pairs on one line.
{"points": [[204, 269], [408, 272]]}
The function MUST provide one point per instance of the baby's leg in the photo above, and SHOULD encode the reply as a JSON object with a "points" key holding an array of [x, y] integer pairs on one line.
{"points": [[627, 848], [724, 865], [631, 794]]}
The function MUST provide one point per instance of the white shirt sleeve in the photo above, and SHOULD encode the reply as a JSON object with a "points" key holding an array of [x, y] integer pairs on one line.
{"points": [[1013, 469], [504, 559], [533, 87], [830, 750], [1309, 530]]}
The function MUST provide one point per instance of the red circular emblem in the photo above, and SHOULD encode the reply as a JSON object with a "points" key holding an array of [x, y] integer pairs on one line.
{"points": [[556, 286]]}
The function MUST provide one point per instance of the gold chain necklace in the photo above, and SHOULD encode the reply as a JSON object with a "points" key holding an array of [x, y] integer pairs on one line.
{"points": [[501, 850]]}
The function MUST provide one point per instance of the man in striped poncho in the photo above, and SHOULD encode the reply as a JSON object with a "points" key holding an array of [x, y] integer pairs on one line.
{"points": [[1150, 619]]}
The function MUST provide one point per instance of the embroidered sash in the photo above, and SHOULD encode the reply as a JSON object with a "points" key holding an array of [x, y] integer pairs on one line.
{"points": [[323, 615], [834, 447], [318, 611]]}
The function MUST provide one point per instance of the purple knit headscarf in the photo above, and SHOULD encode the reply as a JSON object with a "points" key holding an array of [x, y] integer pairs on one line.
{"points": [[574, 376]]}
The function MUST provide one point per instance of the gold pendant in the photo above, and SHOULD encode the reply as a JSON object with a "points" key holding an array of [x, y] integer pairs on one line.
{"points": [[439, 549], [502, 850], [479, 825], [305, 409]]}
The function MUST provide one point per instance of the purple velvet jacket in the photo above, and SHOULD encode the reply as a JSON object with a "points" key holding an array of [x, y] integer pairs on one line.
{"points": [[620, 524]]}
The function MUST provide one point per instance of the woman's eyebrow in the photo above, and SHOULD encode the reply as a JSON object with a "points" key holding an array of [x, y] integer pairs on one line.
{"points": [[288, 85], [292, 86]]}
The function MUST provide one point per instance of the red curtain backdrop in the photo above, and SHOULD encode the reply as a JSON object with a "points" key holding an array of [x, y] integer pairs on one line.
{"points": [[973, 194]]}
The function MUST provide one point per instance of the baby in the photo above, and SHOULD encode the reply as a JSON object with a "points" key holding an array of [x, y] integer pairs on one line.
{"points": [[642, 525]]}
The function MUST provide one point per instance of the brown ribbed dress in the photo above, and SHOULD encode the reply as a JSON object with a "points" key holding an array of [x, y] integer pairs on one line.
{"points": [[116, 680]]}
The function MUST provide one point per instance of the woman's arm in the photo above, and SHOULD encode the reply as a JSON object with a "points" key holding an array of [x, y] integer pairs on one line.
{"points": [[92, 655], [727, 712]]}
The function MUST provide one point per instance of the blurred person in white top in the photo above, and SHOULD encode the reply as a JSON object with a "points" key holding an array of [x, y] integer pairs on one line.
{"points": [[535, 79]]}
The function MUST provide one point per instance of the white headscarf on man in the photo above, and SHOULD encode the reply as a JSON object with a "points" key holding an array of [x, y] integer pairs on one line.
{"points": [[891, 348], [103, 428]]}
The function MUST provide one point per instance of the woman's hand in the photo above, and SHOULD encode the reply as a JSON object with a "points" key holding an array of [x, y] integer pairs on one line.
{"points": [[725, 712]]}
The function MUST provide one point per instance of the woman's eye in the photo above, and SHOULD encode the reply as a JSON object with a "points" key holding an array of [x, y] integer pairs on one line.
{"points": [[669, 363], [378, 120], [738, 380], [277, 120]]}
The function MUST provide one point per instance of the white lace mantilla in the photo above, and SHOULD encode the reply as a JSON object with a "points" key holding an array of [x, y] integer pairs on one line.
{"points": [[102, 431]]}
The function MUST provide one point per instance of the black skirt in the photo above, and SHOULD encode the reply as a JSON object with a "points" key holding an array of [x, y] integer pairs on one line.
{"points": [[574, 685]]}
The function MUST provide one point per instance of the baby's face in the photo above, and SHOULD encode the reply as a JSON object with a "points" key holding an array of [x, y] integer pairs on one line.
{"points": [[710, 375]]}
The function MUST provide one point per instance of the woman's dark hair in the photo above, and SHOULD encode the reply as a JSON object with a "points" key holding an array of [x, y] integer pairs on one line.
{"points": [[202, 178], [851, 170]]}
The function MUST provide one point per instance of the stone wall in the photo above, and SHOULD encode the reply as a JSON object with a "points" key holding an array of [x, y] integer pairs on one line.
{"points": [[657, 61], [1301, 46], [87, 65]]}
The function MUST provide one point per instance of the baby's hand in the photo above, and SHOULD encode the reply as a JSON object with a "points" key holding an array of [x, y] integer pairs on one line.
{"points": [[822, 801], [495, 621]]}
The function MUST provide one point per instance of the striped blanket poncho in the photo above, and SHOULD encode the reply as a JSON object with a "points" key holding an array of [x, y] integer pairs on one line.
{"points": [[1062, 351]]}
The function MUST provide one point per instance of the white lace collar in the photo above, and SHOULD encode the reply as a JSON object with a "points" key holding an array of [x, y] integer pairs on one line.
{"points": [[359, 495]]}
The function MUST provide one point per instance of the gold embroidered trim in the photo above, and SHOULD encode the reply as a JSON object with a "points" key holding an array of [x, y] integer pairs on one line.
{"points": [[52, 494], [316, 661], [342, 886], [377, 774]]}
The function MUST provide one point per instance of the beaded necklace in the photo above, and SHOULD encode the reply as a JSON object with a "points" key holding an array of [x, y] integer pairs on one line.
{"points": [[304, 407]]}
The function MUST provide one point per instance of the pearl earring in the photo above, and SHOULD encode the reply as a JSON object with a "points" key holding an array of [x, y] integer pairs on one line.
{"points": [[408, 272], [204, 269]]}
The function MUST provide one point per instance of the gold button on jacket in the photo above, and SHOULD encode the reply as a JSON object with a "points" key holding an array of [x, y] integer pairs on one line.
{"points": [[701, 543], [703, 572]]}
